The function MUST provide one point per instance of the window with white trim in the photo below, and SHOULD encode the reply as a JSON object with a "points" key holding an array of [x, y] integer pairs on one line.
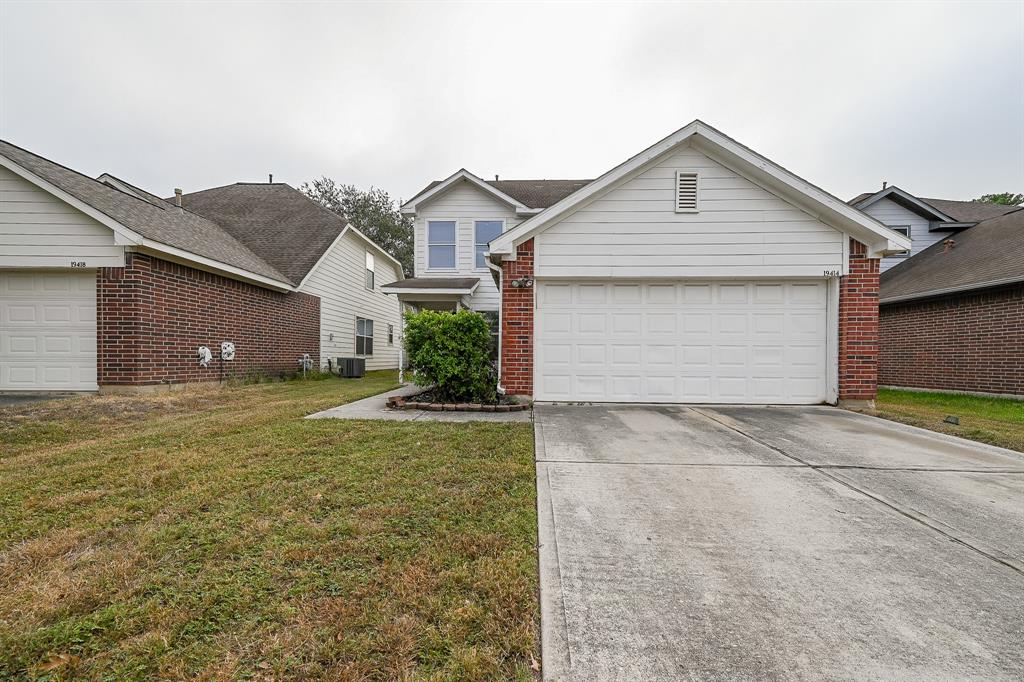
{"points": [[369, 271], [391, 334], [483, 232], [364, 336], [686, 191], [441, 244], [902, 229]]}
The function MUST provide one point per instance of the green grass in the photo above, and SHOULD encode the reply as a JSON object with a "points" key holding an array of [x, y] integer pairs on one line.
{"points": [[997, 421], [216, 534]]}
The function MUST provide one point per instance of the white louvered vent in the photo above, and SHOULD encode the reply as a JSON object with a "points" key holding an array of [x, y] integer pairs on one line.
{"points": [[686, 191]]}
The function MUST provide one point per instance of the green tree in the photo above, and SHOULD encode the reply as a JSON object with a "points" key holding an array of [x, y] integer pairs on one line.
{"points": [[372, 212], [1004, 198]]}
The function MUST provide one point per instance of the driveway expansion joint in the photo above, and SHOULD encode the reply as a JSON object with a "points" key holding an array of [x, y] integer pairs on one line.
{"points": [[907, 512]]}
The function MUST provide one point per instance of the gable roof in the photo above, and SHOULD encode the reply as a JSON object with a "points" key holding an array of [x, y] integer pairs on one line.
{"points": [[531, 193], [137, 220], [904, 199], [942, 210], [743, 160], [462, 175], [989, 254], [278, 222]]}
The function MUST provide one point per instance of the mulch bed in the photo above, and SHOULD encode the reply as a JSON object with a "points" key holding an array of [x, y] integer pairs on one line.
{"points": [[426, 401]]}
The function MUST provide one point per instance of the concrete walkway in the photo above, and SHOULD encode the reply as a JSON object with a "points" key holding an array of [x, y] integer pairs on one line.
{"points": [[760, 543], [375, 407]]}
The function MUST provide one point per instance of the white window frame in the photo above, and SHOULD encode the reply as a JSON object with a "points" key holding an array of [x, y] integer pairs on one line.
{"points": [[898, 228], [476, 267], [363, 336], [455, 245], [391, 334], [675, 190], [370, 275]]}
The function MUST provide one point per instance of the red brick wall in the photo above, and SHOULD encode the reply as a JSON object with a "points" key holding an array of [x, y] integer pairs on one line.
{"points": [[152, 316], [858, 326], [970, 342], [517, 323]]}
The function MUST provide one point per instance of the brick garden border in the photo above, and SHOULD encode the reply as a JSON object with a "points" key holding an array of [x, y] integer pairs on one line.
{"points": [[397, 402]]}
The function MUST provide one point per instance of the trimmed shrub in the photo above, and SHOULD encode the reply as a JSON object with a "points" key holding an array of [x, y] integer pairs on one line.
{"points": [[451, 351]]}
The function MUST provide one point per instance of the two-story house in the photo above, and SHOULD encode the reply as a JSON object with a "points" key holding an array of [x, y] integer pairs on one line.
{"points": [[454, 220], [694, 271], [925, 221]]}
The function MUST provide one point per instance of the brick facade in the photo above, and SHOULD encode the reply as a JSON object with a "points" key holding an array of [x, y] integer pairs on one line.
{"points": [[517, 323], [968, 342], [152, 316], [858, 326]]}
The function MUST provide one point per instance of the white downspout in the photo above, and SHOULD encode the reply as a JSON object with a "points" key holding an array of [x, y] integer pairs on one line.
{"points": [[501, 316]]}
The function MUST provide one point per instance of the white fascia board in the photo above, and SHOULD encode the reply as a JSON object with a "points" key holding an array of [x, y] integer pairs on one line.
{"points": [[409, 207], [447, 292], [123, 235], [204, 263], [349, 227], [850, 219], [923, 207]]}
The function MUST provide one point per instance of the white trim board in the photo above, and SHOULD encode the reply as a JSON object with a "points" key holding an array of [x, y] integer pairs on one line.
{"points": [[410, 206], [756, 168]]}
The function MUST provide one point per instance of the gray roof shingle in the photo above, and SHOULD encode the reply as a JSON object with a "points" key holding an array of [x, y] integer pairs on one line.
{"points": [[160, 223], [987, 254], [277, 222], [531, 193]]}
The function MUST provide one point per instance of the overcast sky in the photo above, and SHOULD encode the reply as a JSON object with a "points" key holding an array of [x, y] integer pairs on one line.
{"points": [[929, 96]]}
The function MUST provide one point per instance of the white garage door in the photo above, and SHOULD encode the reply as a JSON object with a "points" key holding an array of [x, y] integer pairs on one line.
{"points": [[714, 342], [48, 331]]}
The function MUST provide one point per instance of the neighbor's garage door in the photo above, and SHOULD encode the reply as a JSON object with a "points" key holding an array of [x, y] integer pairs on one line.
{"points": [[48, 331], [715, 342]]}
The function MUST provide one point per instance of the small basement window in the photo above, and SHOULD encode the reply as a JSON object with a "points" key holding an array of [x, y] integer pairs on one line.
{"points": [[686, 191], [364, 336], [902, 229]]}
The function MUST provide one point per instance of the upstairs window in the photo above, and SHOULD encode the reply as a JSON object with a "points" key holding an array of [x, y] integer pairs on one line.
{"points": [[686, 191], [484, 231], [902, 229], [369, 270], [364, 336], [441, 244]]}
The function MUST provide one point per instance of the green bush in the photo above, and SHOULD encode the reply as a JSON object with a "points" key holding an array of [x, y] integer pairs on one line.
{"points": [[451, 351]]}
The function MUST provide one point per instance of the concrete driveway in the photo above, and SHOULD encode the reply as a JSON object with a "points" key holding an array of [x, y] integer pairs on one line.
{"points": [[751, 543]]}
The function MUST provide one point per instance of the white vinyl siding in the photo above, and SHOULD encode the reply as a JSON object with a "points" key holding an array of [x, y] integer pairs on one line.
{"points": [[888, 212], [39, 230], [465, 204], [48, 330], [741, 230], [339, 281], [686, 341]]}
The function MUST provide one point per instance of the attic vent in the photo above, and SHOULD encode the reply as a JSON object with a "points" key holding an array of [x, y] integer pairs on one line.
{"points": [[686, 191]]}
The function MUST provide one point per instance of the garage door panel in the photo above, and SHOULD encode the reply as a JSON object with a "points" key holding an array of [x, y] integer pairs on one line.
{"points": [[732, 342], [48, 330]]}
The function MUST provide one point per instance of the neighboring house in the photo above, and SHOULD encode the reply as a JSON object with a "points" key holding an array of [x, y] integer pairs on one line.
{"points": [[925, 221], [695, 271], [106, 286], [952, 317]]}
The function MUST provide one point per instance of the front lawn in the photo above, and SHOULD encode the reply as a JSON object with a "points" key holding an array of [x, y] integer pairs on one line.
{"points": [[216, 534], [997, 421]]}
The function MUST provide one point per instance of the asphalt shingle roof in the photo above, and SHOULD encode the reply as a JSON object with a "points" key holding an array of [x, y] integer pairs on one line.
{"points": [[277, 222], [963, 211], [427, 283], [160, 223], [531, 193], [987, 254]]}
